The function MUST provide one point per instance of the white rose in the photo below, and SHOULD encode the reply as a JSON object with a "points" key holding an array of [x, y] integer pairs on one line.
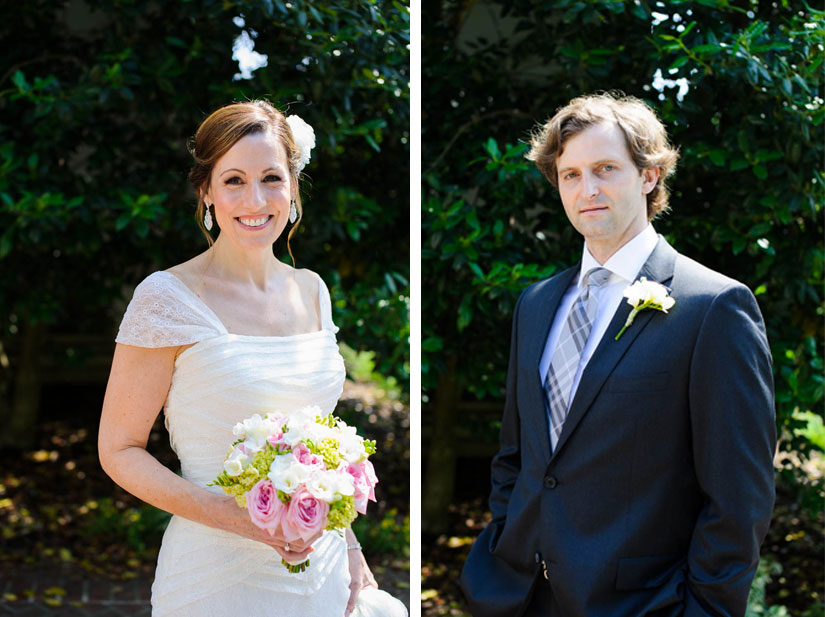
{"points": [[323, 485], [351, 446], [304, 138], [294, 435], [255, 430], [287, 474], [241, 428], [346, 484], [236, 462]]}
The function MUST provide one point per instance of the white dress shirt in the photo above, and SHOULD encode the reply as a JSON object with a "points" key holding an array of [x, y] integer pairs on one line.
{"points": [[624, 266]]}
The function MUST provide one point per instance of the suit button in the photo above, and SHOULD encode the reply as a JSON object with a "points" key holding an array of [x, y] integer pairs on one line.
{"points": [[550, 482]]}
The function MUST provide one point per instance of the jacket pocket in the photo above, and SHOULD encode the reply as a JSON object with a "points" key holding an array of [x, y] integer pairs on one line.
{"points": [[654, 382], [495, 528], [646, 572]]}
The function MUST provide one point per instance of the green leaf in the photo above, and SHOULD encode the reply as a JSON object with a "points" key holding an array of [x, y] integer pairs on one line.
{"points": [[718, 156], [476, 269], [432, 343], [814, 431], [5, 242], [739, 245], [760, 229], [19, 80], [640, 11], [388, 280], [492, 148], [353, 231], [372, 143], [708, 49], [123, 220], [760, 172], [680, 61], [765, 156], [465, 312], [687, 30]]}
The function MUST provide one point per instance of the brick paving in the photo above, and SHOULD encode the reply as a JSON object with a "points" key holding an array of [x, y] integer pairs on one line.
{"points": [[66, 591], [71, 592]]}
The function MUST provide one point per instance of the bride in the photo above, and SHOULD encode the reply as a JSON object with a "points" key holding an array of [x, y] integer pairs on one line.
{"points": [[212, 341]]}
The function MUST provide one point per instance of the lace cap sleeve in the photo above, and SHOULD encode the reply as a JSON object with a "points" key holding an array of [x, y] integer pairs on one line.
{"points": [[326, 307], [163, 313]]}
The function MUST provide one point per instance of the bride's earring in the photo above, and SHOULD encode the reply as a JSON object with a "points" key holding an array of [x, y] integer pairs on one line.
{"points": [[293, 212], [207, 218]]}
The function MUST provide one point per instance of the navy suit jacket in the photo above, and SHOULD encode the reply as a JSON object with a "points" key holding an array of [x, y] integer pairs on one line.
{"points": [[661, 487]]}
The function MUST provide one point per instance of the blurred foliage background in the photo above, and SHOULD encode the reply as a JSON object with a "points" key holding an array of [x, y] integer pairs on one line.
{"points": [[98, 99], [738, 83]]}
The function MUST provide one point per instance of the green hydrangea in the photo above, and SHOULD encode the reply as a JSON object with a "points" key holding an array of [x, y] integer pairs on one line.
{"points": [[258, 468], [341, 513], [239, 485], [328, 449]]}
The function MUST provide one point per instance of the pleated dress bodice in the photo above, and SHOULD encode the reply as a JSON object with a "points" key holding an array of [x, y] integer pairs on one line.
{"points": [[222, 380]]}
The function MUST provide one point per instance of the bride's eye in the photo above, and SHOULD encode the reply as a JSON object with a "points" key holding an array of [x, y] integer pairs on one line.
{"points": [[233, 180], [272, 178]]}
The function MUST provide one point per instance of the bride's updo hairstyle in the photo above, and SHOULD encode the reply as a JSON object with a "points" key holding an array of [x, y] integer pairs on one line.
{"points": [[226, 127]]}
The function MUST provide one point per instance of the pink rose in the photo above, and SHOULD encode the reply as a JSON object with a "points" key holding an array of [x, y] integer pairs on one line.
{"points": [[276, 439], [303, 455], [265, 509], [364, 480], [305, 516]]}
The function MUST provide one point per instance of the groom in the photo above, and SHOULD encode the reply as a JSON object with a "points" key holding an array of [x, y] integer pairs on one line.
{"points": [[635, 470]]}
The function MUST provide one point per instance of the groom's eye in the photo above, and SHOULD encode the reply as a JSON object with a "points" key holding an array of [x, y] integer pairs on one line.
{"points": [[234, 180]]}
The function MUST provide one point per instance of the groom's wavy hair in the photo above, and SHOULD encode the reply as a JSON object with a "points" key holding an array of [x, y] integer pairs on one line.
{"points": [[644, 134], [223, 129]]}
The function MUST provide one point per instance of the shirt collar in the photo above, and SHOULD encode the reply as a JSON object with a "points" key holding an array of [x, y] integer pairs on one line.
{"points": [[628, 260]]}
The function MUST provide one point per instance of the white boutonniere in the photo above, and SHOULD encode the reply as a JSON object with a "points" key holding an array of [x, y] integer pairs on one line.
{"points": [[644, 294]]}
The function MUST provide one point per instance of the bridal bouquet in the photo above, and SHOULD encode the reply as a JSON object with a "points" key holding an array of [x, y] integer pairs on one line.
{"points": [[302, 472]]}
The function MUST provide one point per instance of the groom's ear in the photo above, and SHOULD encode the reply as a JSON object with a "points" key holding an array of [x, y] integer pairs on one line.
{"points": [[650, 176]]}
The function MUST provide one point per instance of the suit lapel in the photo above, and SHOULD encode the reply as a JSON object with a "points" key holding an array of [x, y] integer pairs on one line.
{"points": [[659, 268], [537, 328]]}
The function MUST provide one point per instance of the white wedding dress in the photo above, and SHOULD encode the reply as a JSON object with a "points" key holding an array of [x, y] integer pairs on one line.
{"points": [[218, 381]]}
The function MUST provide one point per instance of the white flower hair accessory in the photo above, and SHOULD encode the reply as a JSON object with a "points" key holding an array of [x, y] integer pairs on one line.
{"points": [[644, 294], [304, 138]]}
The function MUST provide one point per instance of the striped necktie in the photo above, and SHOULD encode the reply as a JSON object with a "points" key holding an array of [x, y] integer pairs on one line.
{"points": [[565, 363]]}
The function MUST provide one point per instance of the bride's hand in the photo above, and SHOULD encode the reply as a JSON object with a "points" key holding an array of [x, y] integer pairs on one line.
{"points": [[360, 576], [237, 521]]}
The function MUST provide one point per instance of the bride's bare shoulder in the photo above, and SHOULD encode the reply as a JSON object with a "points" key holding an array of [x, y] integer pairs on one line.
{"points": [[308, 285], [307, 280], [189, 271]]}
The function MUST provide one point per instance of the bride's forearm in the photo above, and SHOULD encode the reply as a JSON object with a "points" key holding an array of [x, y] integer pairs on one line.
{"points": [[351, 538], [142, 475]]}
